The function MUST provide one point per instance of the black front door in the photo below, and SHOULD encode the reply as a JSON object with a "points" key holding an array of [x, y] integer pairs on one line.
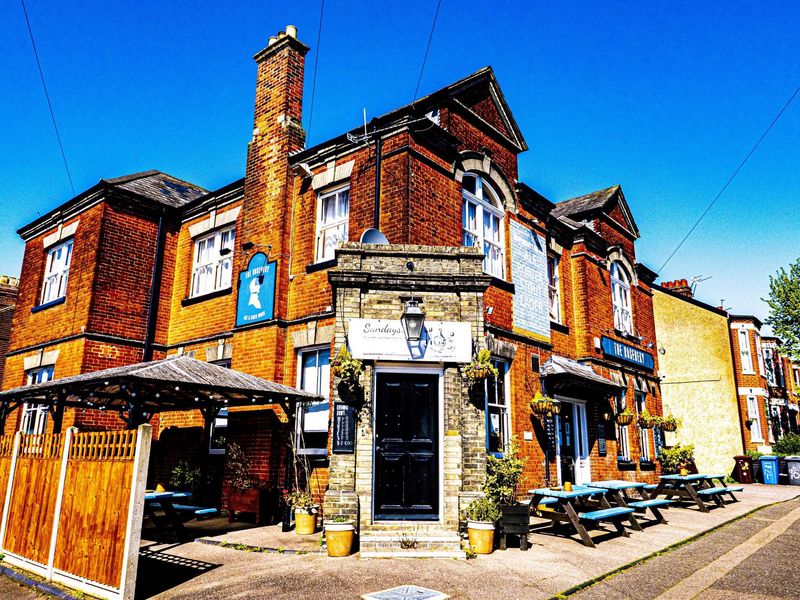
{"points": [[566, 438], [406, 447]]}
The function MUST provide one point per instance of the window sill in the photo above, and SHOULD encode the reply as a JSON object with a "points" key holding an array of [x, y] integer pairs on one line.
{"points": [[560, 327], [209, 296], [321, 266], [628, 336], [47, 305], [315, 452], [502, 284]]}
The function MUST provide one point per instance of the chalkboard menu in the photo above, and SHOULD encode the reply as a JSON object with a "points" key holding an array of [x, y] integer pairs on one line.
{"points": [[601, 439], [344, 428], [658, 439]]}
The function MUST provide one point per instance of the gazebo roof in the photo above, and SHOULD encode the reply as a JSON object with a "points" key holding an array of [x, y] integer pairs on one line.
{"points": [[176, 383]]}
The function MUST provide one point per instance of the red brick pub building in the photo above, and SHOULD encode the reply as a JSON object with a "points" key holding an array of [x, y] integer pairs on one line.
{"points": [[271, 275]]}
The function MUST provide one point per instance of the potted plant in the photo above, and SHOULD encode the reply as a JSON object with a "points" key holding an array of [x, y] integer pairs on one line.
{"points": [[625, 417], [481, 515], [244, 493], [677, 459], [647, 421], [541, 405], [502, 476], [669, 423], [305, 512], [347, 369], [185, 477], [480, 369], [339, 534]]}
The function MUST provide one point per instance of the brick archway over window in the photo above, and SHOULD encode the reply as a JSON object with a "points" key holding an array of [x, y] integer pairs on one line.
{"points": [[476, 162]]}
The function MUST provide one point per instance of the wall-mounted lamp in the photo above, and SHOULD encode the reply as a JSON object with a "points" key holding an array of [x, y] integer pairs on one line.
{"points": [[413, 320]]}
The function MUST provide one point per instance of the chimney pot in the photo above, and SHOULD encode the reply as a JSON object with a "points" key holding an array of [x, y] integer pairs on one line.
{"points": [[281, 34], [291, 31]]}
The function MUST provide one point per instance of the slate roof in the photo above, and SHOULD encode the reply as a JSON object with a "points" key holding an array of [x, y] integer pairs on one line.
{"points": [[175, 383], [158, 186], [587, 203]]}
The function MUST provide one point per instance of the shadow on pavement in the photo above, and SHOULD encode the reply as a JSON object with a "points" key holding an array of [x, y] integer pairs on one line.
{"points": [[159, 570]]}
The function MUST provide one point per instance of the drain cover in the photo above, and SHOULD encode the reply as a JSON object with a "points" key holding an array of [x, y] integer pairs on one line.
{"points": [[406, 592]]}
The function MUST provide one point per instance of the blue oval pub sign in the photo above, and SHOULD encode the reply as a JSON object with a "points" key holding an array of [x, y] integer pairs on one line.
{"points": [[256, 300]]}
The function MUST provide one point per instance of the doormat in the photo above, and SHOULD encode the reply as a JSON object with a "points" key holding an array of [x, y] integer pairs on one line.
{"points": [[406, 592]]}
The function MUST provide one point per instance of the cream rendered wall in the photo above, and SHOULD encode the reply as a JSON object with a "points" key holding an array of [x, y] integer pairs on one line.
{"points": [[698, 385]]}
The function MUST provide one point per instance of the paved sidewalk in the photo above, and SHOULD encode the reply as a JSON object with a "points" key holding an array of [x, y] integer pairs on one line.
{"points": [[552, 565]]}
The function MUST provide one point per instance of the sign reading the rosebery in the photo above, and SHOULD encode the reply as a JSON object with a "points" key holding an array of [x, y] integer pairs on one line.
{"points": [[627, 353], [256, 291], [384, 339]]}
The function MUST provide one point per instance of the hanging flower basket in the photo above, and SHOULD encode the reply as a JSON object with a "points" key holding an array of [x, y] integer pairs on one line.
{"points": [[669, 423], [480, 369], [624, 418], [541, 405], [347, 368], [647, 421]]}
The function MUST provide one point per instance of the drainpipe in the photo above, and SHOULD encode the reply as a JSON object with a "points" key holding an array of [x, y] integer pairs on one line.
{"points": [[152, 308], [378, 150]]}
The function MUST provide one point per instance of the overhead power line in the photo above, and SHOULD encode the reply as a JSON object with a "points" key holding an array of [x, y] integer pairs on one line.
{"points": [[732, 177], [47, 95], [314, 77], [427, 49]]}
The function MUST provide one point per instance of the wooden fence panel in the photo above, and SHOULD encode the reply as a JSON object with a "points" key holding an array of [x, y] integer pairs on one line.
{"points": [[33, 497], [6, 449], [91, 535]]}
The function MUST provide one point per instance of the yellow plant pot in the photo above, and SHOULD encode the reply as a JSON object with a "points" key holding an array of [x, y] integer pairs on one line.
{"points": [[481, 536], [339, 538], [304, 523]]}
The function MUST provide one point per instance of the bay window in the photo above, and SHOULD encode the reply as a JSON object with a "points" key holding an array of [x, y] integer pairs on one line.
{"points": [[333, 214], [56, 272], [483, 223], [754, 415], [745, 356], [213, 262]]}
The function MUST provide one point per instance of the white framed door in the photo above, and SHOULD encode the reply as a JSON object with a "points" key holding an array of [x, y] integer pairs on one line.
{"points": [[572, 442]]}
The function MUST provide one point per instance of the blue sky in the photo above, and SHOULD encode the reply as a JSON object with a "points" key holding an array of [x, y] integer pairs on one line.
{"points": [[663, 99]]}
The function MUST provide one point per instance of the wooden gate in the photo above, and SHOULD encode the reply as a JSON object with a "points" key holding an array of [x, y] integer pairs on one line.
{"points": [[73, 507]]}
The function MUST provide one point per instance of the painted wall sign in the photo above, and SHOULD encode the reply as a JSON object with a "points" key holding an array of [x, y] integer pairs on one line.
{"points": [[529, 266], [256, 299], [384, 339], [344, 428], [602, 448], [627, 353]]}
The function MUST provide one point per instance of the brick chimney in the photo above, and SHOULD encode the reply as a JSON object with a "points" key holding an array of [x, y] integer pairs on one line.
{"points": [[277, 133], [679, 286]]}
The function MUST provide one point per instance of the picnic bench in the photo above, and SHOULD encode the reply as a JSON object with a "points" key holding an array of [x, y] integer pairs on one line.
{"points": [[175, 512], [699, 488], [579, 507], [618, 492]]}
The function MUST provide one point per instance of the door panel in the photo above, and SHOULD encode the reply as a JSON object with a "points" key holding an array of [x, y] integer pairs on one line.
{"points": [[406, 447]]}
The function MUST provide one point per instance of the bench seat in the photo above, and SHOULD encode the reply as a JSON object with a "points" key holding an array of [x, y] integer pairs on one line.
{"points": [[735, 488], [605, 513], [651, 486], [197, 510], [712, 491], [547, 501], [643, 504]]}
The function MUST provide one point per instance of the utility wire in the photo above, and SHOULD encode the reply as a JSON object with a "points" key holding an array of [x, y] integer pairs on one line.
{"points": [[732, 177], [314, 78], [427, 49], [47, 95]]}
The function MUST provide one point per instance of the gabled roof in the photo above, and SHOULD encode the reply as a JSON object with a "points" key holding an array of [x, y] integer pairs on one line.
{"points": [[152, 187], [413, 111], [589, 205]]}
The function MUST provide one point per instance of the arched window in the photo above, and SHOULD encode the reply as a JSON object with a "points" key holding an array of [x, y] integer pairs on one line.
{"points": [[483, 223], [621, 297]]}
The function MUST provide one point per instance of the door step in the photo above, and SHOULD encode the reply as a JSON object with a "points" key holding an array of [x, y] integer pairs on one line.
{"points": [[399, 544]]}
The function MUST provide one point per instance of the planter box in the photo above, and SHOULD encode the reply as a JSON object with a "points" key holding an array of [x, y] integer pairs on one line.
{"points": [[515, 520], [255, 501]]}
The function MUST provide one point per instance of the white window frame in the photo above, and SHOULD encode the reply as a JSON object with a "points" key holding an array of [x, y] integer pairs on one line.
{"points": [[501, 406], [486, 205], [554, 287], [332, 232], [760, 354], [621, 297], [34, 416], [644, 434], [320, 386], [754, 414], [56, 272], [212, 271], [623, 438], [770, 364], [745, 353]]}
